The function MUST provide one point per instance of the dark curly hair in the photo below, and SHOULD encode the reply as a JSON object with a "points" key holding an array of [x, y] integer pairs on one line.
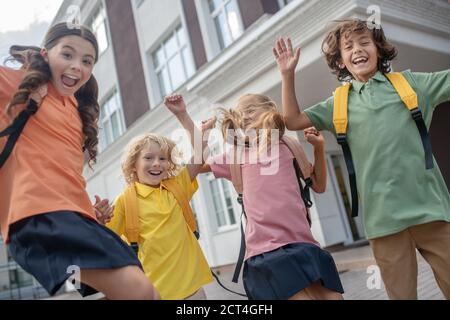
{"points": [[331, 46], [38, 73]]}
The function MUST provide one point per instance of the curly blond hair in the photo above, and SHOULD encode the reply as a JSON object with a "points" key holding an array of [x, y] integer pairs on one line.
{"points": [[135, 147]]}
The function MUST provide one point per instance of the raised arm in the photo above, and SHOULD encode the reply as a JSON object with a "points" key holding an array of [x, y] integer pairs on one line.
{"points": [[319, 175], [287, 61], [177, 106]]}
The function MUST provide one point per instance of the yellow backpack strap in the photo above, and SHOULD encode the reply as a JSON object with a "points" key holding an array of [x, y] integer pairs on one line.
{"points": [[174, 187], [409, 98], [404, 90], [340, 122], [131, 217], [340, 110]]}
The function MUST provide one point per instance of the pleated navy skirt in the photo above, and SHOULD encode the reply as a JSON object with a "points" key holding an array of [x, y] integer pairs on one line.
{"points": [[51, 246], [281, 273]]}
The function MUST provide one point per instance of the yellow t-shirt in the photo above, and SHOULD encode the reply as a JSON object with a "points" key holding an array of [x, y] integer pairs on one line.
{"points": [[168, 250]]}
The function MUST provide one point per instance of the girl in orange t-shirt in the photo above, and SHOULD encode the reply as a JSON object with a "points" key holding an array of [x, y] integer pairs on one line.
{"points": [[45, 213]]}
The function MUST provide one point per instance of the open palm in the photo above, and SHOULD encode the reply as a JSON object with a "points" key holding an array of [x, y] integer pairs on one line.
{"points": [[285, 56]]}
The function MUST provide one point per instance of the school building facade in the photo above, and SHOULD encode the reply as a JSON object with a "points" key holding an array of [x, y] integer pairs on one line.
{"points": [[212, 52]]}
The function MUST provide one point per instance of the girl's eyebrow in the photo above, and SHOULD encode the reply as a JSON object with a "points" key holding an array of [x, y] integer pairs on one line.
{"points": [[73, 49]]}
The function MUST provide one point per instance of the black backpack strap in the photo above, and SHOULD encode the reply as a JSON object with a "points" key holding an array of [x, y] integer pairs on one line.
{"points": [[342, 141], [229, 290], [417, 116], [15, 129], [305, 191], [240, 261]]}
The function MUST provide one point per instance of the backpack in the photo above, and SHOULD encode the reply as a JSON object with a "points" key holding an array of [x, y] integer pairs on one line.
{"points": [[303, 172], [132, 215], [340, 122]]}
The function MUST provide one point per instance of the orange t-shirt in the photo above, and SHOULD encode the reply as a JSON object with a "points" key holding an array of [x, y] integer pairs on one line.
{"points": [[44, 171]]}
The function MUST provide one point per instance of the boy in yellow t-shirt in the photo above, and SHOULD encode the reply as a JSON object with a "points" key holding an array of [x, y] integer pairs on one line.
{"points": [[168, 249]]}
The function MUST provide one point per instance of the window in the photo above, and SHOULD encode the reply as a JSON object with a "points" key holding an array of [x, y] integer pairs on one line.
{"points": [[227, 21], [223, 202], [98, 26], [112, 123], [173, 62]]}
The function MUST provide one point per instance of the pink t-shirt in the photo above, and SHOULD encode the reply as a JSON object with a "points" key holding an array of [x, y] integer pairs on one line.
{"points": [[276, 213]]}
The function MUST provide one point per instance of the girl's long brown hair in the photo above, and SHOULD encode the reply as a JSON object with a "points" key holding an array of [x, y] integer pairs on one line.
{"points": [[38, 73]]}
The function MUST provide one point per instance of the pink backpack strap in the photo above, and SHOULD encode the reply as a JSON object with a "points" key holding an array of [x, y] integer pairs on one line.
{"points": [[296, 148], [236, 170]]}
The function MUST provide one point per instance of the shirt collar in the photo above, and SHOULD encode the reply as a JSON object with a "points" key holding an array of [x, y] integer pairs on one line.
{"points": [[358, 85], [144, 190], [66, 100]]}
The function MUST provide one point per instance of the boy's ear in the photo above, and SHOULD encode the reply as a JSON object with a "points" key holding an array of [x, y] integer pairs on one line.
{"points": [[44, 54]]}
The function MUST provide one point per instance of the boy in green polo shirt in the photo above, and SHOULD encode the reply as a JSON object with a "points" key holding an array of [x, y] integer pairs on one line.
{"points": [[405, 206]]}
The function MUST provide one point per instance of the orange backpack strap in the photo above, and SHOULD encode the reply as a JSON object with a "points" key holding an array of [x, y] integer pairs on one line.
{"points": [[296, 148], [174, 187], [131, 216]]}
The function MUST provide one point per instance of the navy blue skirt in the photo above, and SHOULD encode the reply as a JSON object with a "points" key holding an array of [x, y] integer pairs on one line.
{"points": [[49, 246], [281, 273]]}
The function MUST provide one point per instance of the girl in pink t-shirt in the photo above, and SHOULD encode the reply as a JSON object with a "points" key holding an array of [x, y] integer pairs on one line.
{"points": [[282, 260]]}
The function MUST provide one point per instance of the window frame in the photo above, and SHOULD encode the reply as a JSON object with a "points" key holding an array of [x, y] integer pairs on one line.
{"points": [[182, 51], [216, 13], [223, 187], [106, 119], [100, 10]]}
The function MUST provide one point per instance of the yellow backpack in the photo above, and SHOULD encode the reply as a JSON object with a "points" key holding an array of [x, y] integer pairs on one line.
{"points": [[340, 122], [132, 213]]}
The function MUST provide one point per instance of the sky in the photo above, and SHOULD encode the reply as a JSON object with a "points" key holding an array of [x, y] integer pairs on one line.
{"points": [[25, 22]]}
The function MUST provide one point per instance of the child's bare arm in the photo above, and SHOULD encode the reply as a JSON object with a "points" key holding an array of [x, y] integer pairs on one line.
{"points": [[205, 169], [177, 106], [319, 175], [287, 61]]}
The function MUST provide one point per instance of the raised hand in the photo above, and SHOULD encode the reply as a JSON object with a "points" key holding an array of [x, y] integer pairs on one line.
{"points": [[208, 124], [175, 104], [285, 56], [314, 137]]}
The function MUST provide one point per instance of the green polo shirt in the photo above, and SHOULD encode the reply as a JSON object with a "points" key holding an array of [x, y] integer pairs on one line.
{"points": [[395, 189]]}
